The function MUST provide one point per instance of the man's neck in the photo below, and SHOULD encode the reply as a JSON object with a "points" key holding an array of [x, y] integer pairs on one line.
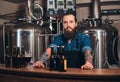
{"points": [[69, 41]]}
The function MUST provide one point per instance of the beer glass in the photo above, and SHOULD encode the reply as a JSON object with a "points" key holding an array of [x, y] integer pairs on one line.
{"points": [[27, 56]]}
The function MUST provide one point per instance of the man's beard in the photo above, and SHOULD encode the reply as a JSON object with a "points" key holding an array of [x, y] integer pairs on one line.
{"points": [[69, 34]]}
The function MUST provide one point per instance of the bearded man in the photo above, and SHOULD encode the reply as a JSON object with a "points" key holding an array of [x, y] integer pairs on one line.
{"points": [[77, 45]]}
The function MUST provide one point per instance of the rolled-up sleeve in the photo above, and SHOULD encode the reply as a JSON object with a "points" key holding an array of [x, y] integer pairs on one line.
{"points": [[86, 43], [54, 45], [57, 42], [86, 48]]}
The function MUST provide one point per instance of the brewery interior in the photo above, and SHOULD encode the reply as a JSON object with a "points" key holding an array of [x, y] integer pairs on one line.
{"points": [[34, 24]]}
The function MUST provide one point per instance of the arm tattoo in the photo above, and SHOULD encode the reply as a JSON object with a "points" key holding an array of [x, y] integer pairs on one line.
{"points": [[88, 57], [44, 57]]}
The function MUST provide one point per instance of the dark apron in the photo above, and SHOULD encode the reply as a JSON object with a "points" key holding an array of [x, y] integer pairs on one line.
{"points": [[74, 59]]}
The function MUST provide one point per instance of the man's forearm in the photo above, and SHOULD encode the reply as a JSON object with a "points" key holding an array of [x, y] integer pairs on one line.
{"points": [[88, 56], [44, 57]]}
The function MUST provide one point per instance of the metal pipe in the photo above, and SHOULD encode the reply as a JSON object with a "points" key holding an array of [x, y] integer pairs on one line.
{"points": [[31, 6], [4, 41], [96, 8]]}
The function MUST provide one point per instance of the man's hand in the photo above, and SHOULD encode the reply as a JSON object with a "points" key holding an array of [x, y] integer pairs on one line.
{"points": [[38, 64], [88, 60], [87, 65], [44, 57]]}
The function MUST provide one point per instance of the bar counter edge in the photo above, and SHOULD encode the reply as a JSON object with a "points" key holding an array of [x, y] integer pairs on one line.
{"points": [[71, 75]]}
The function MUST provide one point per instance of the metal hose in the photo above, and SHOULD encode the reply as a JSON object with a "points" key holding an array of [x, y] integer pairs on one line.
{"points": [[114, 41]]}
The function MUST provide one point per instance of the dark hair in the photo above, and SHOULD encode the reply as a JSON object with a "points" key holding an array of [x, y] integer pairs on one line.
{"points": [[70, 14]]}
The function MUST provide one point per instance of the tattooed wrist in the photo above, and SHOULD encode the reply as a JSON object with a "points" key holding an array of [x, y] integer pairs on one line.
{"points": [[89, 57], [44, 57]]}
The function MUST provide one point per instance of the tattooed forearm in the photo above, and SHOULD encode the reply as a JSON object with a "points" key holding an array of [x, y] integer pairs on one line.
{"points": [[88, 56], [44, 57]]}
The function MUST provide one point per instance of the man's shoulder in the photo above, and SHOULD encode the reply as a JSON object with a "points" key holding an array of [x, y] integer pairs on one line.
{"points": [[59, 36], [80, 34]]}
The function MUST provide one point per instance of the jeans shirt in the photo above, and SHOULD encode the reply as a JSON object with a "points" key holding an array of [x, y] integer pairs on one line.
{"points": [[79, 43]]}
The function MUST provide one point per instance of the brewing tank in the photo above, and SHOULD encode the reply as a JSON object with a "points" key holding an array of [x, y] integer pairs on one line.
{"points": [[1, 45], [98, 38], [103, 44], [31, 36]]}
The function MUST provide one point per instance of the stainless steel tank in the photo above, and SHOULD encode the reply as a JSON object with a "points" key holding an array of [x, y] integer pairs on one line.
{"points": [[98, 40], [1, 45], [32, 37], [104, 48]]}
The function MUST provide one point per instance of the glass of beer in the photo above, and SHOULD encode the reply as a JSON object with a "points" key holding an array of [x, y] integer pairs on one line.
{"points": [[27, 58]]}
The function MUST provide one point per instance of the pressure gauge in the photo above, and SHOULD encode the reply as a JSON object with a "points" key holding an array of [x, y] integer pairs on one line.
{"points": [[60, 4], [70, 4], [50, 4]]}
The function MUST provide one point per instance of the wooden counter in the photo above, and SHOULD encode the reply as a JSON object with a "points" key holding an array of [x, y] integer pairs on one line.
{"points": [[44, 75]]}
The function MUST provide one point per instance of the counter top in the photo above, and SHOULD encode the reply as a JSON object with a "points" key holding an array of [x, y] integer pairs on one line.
{"points": [[71, 73]]}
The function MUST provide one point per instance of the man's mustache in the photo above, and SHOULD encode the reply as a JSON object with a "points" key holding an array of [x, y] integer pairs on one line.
{"points": [[69, 28]]}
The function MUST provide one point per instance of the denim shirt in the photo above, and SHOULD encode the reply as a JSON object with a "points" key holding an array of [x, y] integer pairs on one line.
{"points": [[79, 43]]}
